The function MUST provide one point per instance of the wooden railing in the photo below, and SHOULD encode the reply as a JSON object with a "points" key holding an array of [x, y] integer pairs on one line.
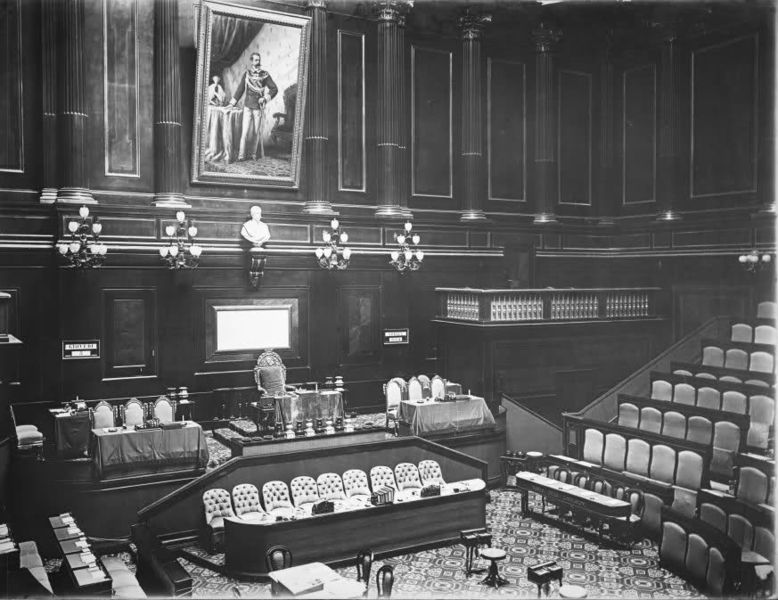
{"points": [[550, 304]]}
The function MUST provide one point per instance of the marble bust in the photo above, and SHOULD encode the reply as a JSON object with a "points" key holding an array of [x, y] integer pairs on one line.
{"points": [[254, 230]]}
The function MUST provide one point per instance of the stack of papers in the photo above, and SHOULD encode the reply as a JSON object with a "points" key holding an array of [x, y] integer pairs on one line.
{"points": [[7, 545], [3, 531]]}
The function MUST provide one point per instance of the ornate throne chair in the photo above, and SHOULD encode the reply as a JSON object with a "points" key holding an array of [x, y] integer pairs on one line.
{"points": [[270, 375]]}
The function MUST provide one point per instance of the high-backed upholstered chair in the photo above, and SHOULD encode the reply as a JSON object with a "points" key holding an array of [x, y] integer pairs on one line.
{"points": [[683, 393], [767, 310], [672, 549], [164, 410], [661, 390], [725, 378], [407, 476], [761, 409], [696, 557], [438, 385], [734, 401], [364, 564], [217, 505], [716, 574], [615, 451], [764, 542], [628, 526], [742, 332], [414, 389], [662, 463], [735, 358], [761, 362], [275, 495], [426, 386], [629, 415], [741, 530], [133, 413], [713, 515], [395, 391], [700, 430], [650, 419], [330, 487], [674, 425], [277, 558], [713, 356], [270, 374], [384, 580], [381, 476], [708, 397], [430, 472], [355, 484], [638, 457], [764, 334], [593, 446], [304, 491], [652, 513], [752, 485], [245, 498], [688, 472], [103, 415]]}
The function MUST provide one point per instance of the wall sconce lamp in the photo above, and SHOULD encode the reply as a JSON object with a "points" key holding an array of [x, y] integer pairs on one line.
{"points": [[408, 256], [85, 251], [181, 252], [331, 256], [755, 261]]}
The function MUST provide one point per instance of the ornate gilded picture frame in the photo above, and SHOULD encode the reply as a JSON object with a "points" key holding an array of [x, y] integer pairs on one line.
{"points": [[252, 67]]}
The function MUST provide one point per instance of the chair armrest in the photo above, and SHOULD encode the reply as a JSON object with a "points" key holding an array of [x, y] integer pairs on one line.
{"points": [[262, 391], [289, 387]]}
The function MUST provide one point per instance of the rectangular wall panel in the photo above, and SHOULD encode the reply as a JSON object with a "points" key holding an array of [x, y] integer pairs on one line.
{"points": [[129, 331], [351, 111], [724, 120], [360, 310], [11, 76], [120, 87], [639, 134], [431, 127], [575, 138], [507, 130]]}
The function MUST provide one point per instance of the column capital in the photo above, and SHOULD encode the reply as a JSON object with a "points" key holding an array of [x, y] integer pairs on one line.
{"points": [[393, 11], [473, 23], [310, 4], [545, 36]]}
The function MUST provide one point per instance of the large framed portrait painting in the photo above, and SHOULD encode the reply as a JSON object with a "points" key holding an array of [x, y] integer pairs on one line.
{"points": [[250, 96]]}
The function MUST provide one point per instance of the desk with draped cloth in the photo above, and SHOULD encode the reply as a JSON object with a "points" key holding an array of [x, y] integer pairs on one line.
{"points": [[134, 452], [308, 405], [429, 416]]}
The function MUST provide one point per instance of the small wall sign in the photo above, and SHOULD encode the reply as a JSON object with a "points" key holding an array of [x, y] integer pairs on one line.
{"points": [[80, 349], [394, 337]]}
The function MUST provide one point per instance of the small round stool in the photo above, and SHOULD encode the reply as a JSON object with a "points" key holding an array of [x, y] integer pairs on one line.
{"points": [[493, 578], [572, 591]]}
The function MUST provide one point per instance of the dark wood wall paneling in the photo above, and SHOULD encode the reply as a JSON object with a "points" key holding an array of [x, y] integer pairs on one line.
{"points": [[639, 134], [574, 146]]}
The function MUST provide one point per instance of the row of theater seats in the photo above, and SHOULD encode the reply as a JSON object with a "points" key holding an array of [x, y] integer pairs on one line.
{"points": [[352, 490], [724, 375], [740, 528], [756, 334], [716, 354], [639, 457], [756, 403]]}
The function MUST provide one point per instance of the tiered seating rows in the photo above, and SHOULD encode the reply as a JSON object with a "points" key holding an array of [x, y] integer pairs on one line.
{"points": [[760, 378], [741, 356], [758, 333]]}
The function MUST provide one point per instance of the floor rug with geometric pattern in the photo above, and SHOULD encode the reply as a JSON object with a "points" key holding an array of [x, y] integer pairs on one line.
{"points": [[439, 573]]}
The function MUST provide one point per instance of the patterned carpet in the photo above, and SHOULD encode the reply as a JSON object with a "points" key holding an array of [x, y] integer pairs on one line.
{"points": [[439, 573]]}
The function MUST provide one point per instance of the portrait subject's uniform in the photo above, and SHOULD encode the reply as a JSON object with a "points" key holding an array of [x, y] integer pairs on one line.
{"points": [[258, 88]]}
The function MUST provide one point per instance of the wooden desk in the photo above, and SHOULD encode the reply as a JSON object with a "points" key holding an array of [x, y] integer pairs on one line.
{"points": [[316, 580]]}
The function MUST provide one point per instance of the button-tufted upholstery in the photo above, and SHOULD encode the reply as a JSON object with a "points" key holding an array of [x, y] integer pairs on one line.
{"points": [[355, 484], [245, 498], [407, 476], [382, 476], [275, 494], [330, 487], [217, 505], [430, 472], [304, 491]]}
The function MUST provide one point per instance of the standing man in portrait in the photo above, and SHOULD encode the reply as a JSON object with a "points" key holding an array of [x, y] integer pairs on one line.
{"points": [[259, 88]]}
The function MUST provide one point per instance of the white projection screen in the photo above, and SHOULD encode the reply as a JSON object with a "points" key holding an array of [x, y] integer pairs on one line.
{"points": [[252, 327]]}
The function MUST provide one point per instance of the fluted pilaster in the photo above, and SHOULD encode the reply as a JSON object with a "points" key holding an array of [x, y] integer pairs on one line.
{"points": [[72, 116], [669, 127], [168, 181], [472, 26], [49, 100], [604, 206], [316, 131], [390, 122], [544, 38]]}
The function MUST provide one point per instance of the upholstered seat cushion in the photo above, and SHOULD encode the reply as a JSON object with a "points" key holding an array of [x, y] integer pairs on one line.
{"points": [[272, 378], [28, 437], [217, 523]]}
